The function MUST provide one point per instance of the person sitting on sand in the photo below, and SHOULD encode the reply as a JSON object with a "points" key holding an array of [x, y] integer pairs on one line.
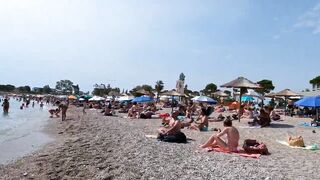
{"points": [[248, 114], [263, 119], [133, 111], [232, 138], [174, 125], [203, 123], [273, 115]]}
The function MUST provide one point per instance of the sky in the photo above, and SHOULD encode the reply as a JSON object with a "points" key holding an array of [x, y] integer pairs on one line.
{"points": [[133, 42]]}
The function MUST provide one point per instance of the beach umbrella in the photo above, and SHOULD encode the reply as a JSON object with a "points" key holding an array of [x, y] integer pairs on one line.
{"points": [[204, 99], [247, 98], [286, 93], [144, 92], [312, 101], [243, 84], [97, 98], [270, 95], [125, 98], [143, 99], [72, 97], [220, 94], [81, 99], [172, 93]]}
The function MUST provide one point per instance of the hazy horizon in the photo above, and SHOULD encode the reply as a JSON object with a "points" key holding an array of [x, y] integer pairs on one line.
{"points": [[131, 43]]}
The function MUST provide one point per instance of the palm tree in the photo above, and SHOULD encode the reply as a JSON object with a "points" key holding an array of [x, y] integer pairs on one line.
{"points": [[159, 87]]}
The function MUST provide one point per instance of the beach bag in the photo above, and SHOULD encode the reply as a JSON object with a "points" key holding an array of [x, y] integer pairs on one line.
{"points": [[254, 147], [296, 141], [176, 138]]}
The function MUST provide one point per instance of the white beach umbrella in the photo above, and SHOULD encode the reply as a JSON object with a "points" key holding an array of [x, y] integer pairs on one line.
{"points": [[97, 98]]}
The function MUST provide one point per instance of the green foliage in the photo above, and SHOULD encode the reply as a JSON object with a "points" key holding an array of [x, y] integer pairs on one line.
{"points": [[315, 82], [145, 87], [227, 92], [46, 89], [103, 90], [209, 89], [65, 86], [182, 77], [159, 87], [24, 89], [266, 85], [7, 88]]}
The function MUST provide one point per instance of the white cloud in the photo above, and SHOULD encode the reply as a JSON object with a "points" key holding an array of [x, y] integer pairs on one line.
{"points": [[310, 19]]}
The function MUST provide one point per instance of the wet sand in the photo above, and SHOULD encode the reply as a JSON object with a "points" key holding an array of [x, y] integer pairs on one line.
{"points": [[97, 147]]}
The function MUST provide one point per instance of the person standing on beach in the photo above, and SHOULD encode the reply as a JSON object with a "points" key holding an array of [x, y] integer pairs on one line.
{"points": [[6, 106], [63, 108], [84, 107]]}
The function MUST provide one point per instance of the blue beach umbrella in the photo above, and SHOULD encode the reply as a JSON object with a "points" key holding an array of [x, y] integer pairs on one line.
{"points": [[247, 98], [313, 101], [143, 99]]}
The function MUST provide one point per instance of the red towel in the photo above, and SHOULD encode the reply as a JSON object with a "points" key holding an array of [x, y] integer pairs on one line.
{"points": [[240, 152]]}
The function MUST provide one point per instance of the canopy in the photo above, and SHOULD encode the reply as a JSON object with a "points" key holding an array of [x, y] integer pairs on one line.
{"points": [[204, 99], [247, 98], [125, 98], [220, 94], [286, 93], [313, 101], [172, 93], [143, 99], [241, 82], [97, 98]]}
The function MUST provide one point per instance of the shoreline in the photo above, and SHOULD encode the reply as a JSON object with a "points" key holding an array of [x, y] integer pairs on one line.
{"points": [[98, 147]]}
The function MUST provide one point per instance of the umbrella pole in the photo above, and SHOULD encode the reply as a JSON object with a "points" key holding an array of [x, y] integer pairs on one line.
{"points": [[171, 105], [239, 113]]}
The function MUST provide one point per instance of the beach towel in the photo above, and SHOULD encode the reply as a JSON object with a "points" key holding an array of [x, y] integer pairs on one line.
{"points": [[250, 127], [306, 124], [240, 152], [310, 147]]}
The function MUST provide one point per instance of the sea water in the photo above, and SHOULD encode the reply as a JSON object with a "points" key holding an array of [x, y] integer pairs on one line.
{"points": [[21, 130]]}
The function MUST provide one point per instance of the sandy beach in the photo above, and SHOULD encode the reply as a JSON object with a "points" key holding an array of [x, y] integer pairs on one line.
{"points": [[97, 147]]}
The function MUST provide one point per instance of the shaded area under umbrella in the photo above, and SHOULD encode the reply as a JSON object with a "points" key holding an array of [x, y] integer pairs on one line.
{"points": [[172, 93], [313, 101], [243, 84], [286, 93]]}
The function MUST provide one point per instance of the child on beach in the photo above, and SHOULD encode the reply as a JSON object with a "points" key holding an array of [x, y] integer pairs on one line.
{"points": [[232, 136]]}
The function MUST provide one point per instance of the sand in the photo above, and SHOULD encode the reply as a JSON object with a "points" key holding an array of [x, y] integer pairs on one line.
{"points": [[97, 147]]}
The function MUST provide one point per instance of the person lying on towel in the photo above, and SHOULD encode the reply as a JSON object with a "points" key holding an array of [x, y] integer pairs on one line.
{"points": [[232, 138]]}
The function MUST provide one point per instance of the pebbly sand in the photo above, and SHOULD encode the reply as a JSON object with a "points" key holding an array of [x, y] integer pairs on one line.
{"points": [[97, 147]]}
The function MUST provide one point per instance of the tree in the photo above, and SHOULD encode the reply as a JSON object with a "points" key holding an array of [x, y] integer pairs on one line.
{"points": [[315, 82], [209, 89], [24, 89], [182, 77], [65, 86], [227, 92], [159, 87], [7, 88], [46, 89], [145, 87], [266, 87]]}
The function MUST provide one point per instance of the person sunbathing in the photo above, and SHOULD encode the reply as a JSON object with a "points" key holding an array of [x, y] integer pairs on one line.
{"points": [[133, 111], [174, 125], [232, 138], [203, 124], [217, 119], [248, 114]]}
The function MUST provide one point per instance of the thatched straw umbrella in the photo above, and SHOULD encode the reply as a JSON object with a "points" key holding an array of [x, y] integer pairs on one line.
{"points": [[286, 93], [243, 84], [172, 93]]}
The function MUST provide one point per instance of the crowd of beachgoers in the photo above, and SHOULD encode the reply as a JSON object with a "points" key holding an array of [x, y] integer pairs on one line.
{"points": [[175, 121]]}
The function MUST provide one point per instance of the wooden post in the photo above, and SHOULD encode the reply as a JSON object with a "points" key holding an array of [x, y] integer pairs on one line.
{"points": [[239, 113]]}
